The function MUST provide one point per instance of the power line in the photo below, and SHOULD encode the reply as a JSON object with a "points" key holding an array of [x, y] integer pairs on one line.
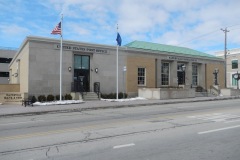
{"points": [[234, 25], [235, 29], [206, 34]]}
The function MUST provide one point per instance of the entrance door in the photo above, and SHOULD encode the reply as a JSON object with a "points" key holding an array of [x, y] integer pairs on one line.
{"points": [[82, 72], [180, 74]]}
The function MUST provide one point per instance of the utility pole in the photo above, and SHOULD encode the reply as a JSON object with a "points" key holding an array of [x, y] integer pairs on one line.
{"points": [[225, 54]]}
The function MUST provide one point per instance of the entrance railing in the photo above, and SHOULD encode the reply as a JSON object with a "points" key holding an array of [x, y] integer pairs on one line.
{"points": [[96, 87], [215, 90]]}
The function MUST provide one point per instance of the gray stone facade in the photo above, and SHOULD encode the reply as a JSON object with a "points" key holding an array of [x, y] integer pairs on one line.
{"points": [[41, 71]]}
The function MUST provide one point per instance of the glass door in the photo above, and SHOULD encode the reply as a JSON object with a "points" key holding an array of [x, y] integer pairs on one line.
{"points": [[180, 77], [180, 74], [82, 72]]}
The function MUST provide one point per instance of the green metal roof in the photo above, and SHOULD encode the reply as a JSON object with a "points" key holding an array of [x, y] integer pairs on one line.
{"points": [[167, 48]]}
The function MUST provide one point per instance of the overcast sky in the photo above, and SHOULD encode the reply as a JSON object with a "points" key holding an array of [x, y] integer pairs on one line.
{"points": [[194, 24]]}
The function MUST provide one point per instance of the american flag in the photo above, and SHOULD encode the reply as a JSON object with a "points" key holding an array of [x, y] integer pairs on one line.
{"points": [[57, 29]]}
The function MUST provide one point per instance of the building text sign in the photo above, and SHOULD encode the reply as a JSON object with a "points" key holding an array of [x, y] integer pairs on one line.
{"points": [[12, 97], [82, 49], [182, 59]]}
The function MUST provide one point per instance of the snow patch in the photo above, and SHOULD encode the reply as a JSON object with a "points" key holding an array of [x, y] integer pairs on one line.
{"points": [[124, 100], [57, 102]]}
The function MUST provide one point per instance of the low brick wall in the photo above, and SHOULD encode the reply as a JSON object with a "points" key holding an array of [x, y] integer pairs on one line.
{"points": [[165, 93], [230, 92]]}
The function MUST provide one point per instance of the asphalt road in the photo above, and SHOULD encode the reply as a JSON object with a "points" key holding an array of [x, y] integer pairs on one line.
{"points": [[190, 131]]}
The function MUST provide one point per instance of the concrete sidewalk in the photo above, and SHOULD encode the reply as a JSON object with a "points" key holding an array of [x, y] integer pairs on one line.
{"points": [[17, 110]]}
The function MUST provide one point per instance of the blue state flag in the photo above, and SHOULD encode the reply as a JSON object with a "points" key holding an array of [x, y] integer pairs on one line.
{"points": [[119, 39]]}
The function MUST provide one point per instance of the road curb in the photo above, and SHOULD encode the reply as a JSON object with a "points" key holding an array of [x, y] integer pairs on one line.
{"points": [[114, 106]]}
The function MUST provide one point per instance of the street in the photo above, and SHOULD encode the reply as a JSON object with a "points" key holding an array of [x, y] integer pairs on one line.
{"points": [[190, 131]]}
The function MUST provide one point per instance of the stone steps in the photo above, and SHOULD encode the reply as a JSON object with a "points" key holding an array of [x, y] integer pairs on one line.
{"points": [[90, 96]]}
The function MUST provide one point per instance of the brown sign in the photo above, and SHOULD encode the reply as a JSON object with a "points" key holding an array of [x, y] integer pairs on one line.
{"points": [[11, 98]]}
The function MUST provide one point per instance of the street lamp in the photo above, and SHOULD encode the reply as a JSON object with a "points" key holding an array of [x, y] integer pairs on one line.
{"points": [[183, 69], [215, 72], [237, 77]]}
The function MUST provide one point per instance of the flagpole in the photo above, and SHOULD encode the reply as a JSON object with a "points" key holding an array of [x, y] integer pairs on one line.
{"points": [[60, 98], [117, 69]]}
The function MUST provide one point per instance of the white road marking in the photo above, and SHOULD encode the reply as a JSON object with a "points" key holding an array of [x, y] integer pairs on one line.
{"points": [[216, 117], [124, 145], [5, 124], [220, 129], [204, 115], [232, 121]]}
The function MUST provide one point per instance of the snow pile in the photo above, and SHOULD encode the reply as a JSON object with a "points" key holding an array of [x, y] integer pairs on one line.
{"points": [[124, 100], [58, 102]]}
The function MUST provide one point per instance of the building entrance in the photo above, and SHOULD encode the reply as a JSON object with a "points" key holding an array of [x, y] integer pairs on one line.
{"points": [[181, 74], [81, 73], [181, 79]]}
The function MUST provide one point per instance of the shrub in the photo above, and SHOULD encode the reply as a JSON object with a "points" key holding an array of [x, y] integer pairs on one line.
{"points": [[58, 97], [113, 95], [41, 98], [50, 97], [68, 97], [121, 95], [34, 99], [105, 96]]}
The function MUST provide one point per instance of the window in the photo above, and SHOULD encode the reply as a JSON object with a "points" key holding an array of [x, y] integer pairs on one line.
{"points": [[165, 73], [194, 75], [235, 64], [4, 74], [77, 62], [5, 60], [141, 76], [234, 81], [81, 62]]}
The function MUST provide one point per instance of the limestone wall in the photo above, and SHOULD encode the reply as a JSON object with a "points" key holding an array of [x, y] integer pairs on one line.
{"points": [[165, 93]]}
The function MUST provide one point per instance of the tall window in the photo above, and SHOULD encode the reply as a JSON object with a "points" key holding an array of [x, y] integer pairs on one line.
{"points": [[81, 62], [234, 81], [141, 76], [194, 75], [235, 64], [165, 73]]}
